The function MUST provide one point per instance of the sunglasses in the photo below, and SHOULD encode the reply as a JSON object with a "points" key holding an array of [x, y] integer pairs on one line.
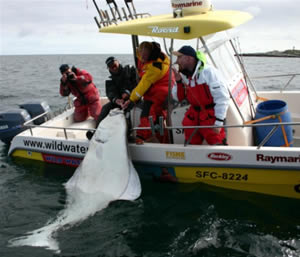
{"points": [[113, 66]]}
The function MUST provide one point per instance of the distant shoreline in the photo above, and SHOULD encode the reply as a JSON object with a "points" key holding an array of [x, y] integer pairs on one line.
{"points": [[287, 53]]}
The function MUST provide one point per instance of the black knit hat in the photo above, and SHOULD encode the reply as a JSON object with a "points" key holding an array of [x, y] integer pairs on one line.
{"points": [[63, 68]]}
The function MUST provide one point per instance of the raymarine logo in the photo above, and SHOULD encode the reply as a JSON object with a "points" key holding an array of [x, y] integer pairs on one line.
{"points": [[219, 156], [158, 30], [184, 4], [273, 159]]}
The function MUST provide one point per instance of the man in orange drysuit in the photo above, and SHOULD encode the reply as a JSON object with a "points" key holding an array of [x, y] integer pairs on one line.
{"points": [[80, 84], [153, 86], [206, 91]]}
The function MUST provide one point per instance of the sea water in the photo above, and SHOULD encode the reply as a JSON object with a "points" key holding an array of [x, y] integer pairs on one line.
{"points": [[168, 219]]}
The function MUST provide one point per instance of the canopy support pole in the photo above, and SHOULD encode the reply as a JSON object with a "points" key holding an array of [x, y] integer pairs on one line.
{"points": [[246, 77], [135, 44], [169, 110]]}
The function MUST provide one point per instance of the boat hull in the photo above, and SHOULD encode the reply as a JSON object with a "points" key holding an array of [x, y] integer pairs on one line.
{"points": [[267, 170], [283, 181]]}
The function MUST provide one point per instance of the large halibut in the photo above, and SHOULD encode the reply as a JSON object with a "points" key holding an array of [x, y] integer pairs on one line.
{"points": [[105, 174]]}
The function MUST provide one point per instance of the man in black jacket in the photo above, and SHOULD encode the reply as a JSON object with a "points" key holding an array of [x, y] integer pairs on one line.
{"points": [[122, 80]]}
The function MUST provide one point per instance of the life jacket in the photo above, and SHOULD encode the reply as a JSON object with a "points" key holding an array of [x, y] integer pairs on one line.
{"points": [[154, 77], [197, 92], [199, 95], [84, 81], [205, 90], [201, 57], [122, 82]]}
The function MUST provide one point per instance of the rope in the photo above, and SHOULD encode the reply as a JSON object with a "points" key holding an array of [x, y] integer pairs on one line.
{"points": [[260, 119], [259, 98], [287, 144], [273, 116]]}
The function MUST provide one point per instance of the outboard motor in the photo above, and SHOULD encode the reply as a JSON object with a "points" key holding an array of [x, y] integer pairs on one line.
{"points": [[36, 108], [11, 123]]}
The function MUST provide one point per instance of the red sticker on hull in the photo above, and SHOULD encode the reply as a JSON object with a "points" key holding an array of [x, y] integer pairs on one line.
{"points": [[240, 92], [62, 160]]}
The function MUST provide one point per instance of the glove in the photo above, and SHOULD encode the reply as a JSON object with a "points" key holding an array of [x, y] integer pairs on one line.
{"points": [[128, 105]]}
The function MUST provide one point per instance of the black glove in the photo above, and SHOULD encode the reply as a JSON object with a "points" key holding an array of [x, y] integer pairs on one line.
{"points": [[129, 107]]}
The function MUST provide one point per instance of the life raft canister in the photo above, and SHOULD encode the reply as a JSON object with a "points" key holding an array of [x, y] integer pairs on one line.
{"points": [[191, 6]]}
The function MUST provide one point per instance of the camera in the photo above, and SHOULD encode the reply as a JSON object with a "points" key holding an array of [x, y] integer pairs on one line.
{"points": [[70, 75]]}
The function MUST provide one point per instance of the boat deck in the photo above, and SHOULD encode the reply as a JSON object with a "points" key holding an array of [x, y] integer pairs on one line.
{"points": [[62, 127]]}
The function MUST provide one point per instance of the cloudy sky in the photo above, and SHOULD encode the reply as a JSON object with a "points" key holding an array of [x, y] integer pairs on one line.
{"points": [[68, 27]]}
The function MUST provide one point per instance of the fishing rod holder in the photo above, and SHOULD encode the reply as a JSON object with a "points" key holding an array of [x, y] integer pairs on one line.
{"points": [[157, 127], [128, 14]]}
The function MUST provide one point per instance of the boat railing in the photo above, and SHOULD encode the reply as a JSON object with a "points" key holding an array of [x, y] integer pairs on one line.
{"points": [[64, 129], [160, 128], [291, 77], [69, 105], [36, 117], [30, 126]]}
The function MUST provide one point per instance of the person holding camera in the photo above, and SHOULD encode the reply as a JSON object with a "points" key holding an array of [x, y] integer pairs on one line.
{"points": [[80, 84]]}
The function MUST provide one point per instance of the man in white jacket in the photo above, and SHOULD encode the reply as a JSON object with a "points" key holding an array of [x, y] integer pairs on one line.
{"points": [[206, 91]]}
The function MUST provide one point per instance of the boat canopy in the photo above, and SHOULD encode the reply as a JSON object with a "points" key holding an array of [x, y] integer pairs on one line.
{"points": [[187, 27]]}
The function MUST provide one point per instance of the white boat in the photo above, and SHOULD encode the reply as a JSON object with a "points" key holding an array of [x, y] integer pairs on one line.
{"points": [[242, 165]]}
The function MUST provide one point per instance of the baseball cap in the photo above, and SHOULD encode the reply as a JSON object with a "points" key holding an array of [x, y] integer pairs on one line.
{"points": [[186, 50], [110, 60], [63, 68]]}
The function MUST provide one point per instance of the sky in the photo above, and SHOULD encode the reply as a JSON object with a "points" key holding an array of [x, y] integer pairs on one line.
{"points": [[68, 26]]}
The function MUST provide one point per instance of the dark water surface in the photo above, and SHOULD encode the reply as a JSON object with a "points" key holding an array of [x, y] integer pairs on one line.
{"points": [[167, 220]]}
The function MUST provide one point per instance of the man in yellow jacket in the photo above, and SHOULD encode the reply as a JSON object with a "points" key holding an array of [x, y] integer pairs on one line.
{"points": [[153, 70]]}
